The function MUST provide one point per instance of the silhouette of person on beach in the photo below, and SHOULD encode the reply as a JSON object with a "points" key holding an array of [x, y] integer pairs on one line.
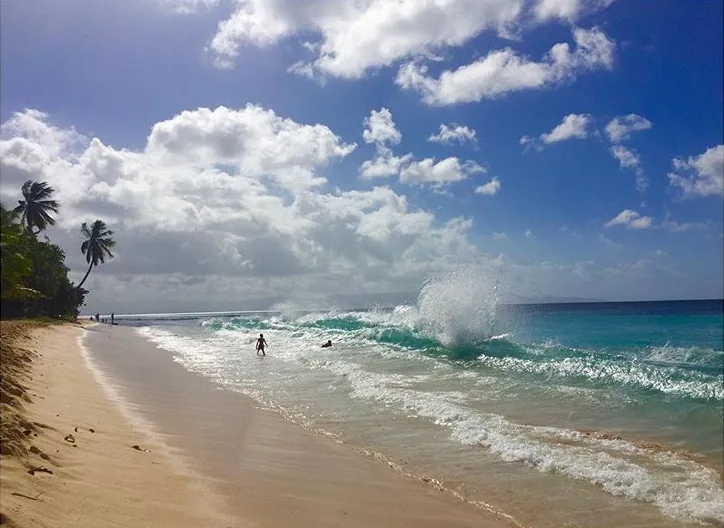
{"points": [[97, 316], [260, 344], [327, 344], [113, 318]]}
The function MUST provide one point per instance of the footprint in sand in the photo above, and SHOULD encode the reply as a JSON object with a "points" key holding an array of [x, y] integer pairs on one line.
{"points": [[70, 438], [39, 469], [139, 448]]}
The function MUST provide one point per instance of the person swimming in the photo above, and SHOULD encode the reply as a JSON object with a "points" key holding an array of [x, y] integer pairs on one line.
{"points": [[260, 344], [327, 344]]}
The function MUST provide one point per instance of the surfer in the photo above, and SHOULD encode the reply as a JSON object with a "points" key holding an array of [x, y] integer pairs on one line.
{"points": [[260, 344], [327, 344]]}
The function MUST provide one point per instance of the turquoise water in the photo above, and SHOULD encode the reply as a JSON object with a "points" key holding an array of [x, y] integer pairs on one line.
{"points": [[578, 408]]}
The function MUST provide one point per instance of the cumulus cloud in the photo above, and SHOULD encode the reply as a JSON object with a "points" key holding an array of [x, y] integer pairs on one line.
{"points": [[504, 71], [385, 164], [567, 9], [620, 128], [629, 159], [452, 133], [380, 129], [489, 189], [350, 38], [355, 37], [204, 221], [626, 157], [236, 194], [631, 219], [701, 175], [253, 140], [444, 171], [573, 126]]}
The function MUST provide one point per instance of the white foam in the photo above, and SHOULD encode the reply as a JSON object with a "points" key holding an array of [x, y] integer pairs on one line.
{"points": [[681, 488], [695, 385]]}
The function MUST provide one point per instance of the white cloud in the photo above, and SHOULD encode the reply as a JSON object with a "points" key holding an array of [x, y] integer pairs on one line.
{"points": [[350, 38], [631, 219], [701, 175], [204, 222], [444, 171], [504, 71], [207, 198], [384, 165], [355, 36], [489, 189], [683, 227], [573, 126], [626, 157], [529, 234], [380, 129], [567, 9], [255, 140], [188, 7], [453, 133], [500, 236], [304, 69], [620, 128]]}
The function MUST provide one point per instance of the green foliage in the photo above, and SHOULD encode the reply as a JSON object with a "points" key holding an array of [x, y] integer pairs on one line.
{"points": [[34, 279], [97, 245], [37, 206], [16, 265]]}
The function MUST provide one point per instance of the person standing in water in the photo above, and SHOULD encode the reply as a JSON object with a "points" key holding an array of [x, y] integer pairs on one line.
{"points": [[113, 318], [260, 344]]}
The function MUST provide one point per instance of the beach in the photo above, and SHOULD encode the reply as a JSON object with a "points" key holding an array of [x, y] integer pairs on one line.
{"points": [[597, 415], [109, 441]]}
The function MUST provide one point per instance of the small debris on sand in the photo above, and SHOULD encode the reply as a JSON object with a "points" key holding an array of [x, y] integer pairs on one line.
{"points": [[39, 469]]}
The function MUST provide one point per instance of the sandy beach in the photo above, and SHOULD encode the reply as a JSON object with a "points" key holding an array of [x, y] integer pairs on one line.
{"points": [[109, 431]]}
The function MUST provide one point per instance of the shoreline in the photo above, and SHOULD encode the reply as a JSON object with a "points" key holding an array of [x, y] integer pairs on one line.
{"points": [[81, 467], [205, 456]]}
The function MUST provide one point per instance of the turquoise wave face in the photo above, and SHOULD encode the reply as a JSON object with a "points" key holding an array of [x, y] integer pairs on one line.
{"points": [[634, 355]]}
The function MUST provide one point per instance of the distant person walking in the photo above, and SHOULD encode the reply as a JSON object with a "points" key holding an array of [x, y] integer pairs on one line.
{"points": [[113, 318], [97, 316], [260, 344]]}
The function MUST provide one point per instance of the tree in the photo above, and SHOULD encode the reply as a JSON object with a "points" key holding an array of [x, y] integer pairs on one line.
{"points": [[15, 265], [97, 245], [37, 206]]}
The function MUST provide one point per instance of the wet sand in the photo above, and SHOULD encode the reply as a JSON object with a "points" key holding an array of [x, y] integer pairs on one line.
{"points": [[203, 457]]}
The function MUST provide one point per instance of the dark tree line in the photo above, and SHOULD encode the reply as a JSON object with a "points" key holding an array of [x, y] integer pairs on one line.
{"points": [[33, 276]]}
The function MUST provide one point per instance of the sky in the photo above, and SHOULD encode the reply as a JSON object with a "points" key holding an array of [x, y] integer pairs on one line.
{"points": [[247, 152]]}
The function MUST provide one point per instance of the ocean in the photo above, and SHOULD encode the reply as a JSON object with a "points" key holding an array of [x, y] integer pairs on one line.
{"points": [[587, 414]]}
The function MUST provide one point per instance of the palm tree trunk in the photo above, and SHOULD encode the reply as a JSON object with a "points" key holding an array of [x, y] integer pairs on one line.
{"points": [[86, 276]]}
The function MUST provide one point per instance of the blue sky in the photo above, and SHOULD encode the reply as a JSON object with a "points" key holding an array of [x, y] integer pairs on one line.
{"points": [[112, 70]]}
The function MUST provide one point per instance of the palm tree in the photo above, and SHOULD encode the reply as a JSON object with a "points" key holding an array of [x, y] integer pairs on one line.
{"points": [[97, 245], [37, 206]]}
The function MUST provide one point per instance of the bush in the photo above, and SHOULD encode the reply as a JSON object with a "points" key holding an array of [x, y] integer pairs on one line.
{"points": [[33, 276]]}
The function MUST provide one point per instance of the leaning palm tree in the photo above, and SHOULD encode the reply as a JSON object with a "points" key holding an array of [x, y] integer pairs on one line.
{"points": [[97, 245], [37, 206]]}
